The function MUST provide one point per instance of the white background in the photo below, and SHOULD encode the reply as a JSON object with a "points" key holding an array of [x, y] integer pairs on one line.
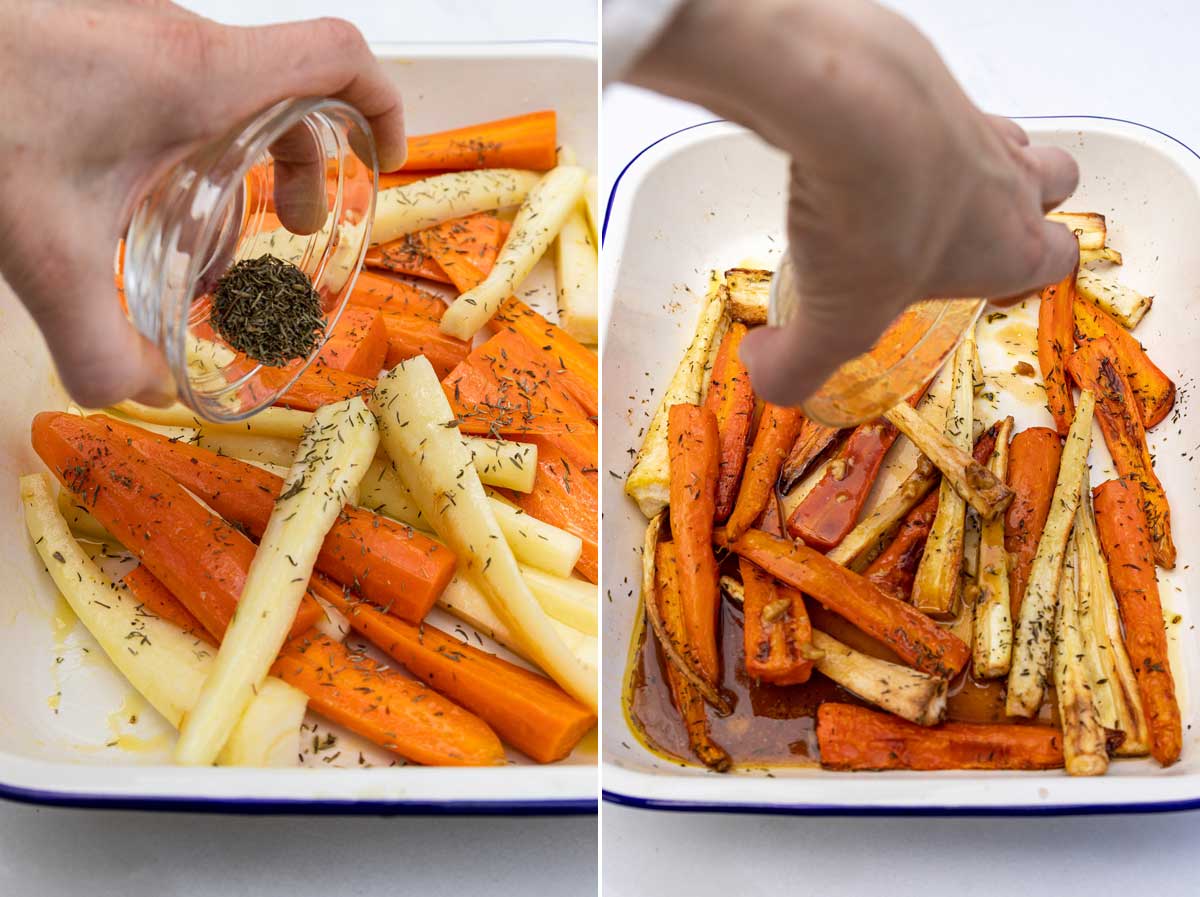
{"points": [[47, 853], [1021, 57]]}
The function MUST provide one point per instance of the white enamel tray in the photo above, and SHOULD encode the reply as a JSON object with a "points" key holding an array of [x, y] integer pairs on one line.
{"points": [[711, 197], [65, 712]]}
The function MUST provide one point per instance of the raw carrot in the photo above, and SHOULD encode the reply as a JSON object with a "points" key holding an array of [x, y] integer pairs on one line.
{"points": [[777, 430], [814, 439], [391, 564], [523, 141], [157, 598], [1033, 457], [525, 709], [776, 629], [391, 294], [405, 255], [916, 639], [473, 240], [395, 712], [411, 335], [358, 344], [854, 738], [693, 444], [1127, 546], [731, 400], [197, 555], [1056, 340], [317, 386], [1154, 391], [1093, 367]]}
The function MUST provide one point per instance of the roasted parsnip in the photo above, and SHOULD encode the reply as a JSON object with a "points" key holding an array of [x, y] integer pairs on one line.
{"points": [[749, 289], [992, 644], [1125, 304], [1089, 228]]}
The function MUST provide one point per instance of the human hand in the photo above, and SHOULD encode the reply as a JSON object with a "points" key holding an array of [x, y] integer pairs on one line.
{"points": [[901, 189], [103, 97]]}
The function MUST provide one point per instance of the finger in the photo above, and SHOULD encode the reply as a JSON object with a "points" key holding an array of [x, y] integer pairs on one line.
{"points": [[1058, 258], [300, 197], [1057, 173], [1009, 129]]}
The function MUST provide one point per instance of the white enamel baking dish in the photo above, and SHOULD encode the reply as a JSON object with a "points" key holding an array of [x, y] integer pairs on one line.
{"points": [[710, 196], [88, 753]]}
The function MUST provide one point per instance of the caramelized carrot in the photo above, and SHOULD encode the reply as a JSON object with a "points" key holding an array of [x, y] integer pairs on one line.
{"points": [[391, 294], [525, 709], [395, 712], [358, 344], [391, 564], [1154, 391], [814, 439], [731, 400], [1033, 457], [523, 141], [776, 630], [1126, 542], [1093, 367], [693, 446], [917, 640], [1056, 339], [157, 598], [777, 430], [411, 335], [854, 738], [197, 555]]}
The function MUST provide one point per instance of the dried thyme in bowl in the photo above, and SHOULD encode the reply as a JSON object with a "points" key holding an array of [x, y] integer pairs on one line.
{"points": [[266, 308]]}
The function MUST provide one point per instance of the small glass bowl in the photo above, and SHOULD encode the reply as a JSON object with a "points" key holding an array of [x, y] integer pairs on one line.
{"points": [[217, 207]]}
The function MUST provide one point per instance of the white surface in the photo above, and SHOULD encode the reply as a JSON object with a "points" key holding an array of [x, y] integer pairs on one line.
{"points": [[53, 852]]}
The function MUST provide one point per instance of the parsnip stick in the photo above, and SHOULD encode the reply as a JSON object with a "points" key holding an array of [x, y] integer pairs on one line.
{"points": [[1107, 254], [871, 533], [1125, 304], [992, 655], [749, 289], [590, 206], [284, 423], [567, 599], [575, 268], [504, 462], [431, 201], [248, 446], [1089, 228], [268, 734]]}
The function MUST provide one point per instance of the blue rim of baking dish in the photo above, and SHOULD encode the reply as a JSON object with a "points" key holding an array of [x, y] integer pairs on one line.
{"points": [[946, 810]]}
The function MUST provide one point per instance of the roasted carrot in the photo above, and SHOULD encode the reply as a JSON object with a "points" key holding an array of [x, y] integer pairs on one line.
{"points": [[527, 710], [358, 344], [395, 712], [523, 141], [1056, 340], [731, 400], [694, 445], [854, 738], [411, 335], [813, 440], [1033, 457], [391, 564], [198, 556], [776, 629], [1126, 541], [157, 598], [391, 294], [777, 430], [1154, 391], [916, 639], [1093, 367]]}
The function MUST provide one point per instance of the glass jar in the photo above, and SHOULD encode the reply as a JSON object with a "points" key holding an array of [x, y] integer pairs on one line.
{"points": [[216, 207], [904, 358]]}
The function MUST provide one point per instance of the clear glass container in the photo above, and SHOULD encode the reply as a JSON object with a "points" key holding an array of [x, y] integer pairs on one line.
{"points": [[904, 358], [217, 207]]}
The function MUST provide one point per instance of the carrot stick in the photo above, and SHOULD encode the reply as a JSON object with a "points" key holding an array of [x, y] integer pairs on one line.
{"points": [[391, 564], [405, 255], [1154, 391], [393, 711], [358, 344], [1056, 339], [391, 294], [157, 598], [731, 401], [1125, 539], [527, 710], [523, 141], [693, 445], [1033, 457], [854, 738], [777, 631], [814, 439], [917, 640], [473, 240], [317, 386], [411, 335], [777, 430], [1093, 367], [197, 555]]}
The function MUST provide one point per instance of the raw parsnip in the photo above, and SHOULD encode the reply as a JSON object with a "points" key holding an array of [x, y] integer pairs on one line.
{"points": [[568, 599], [278, 422], [433, 200], [274, 450], [575, 262], [504, 463], [269, 732], [992, 654], [592, 208]]}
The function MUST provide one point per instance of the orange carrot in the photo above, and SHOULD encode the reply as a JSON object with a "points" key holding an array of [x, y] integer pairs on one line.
{"points": [[318, 386], [814, 438], [197, 555], [777, 430], [411, 335], [776, 629], [527, 710], [1154, 391], [1126, 543], [157, 598], [358, 344], [854, 738], [391, 564], [693, 443], [405, 255], [1093, 367], [731, 401], [1033, 457], [916, 639], [395, 712], [523, 141], [394, 295], [1056, 339], [389, 179]]}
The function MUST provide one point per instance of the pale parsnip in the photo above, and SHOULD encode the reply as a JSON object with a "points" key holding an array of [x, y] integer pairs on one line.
{"points": [[567, 599], [80, 520], [535, 542], [248, 446], [432, 201], [592, 208], [538, 222], [285, 423], [1107, 254], [382, 491], [268, 734], [575, 270], [992, 648], [504, 462], [432, 461], [335, 452], [1125, 304], [1089, 228]]}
